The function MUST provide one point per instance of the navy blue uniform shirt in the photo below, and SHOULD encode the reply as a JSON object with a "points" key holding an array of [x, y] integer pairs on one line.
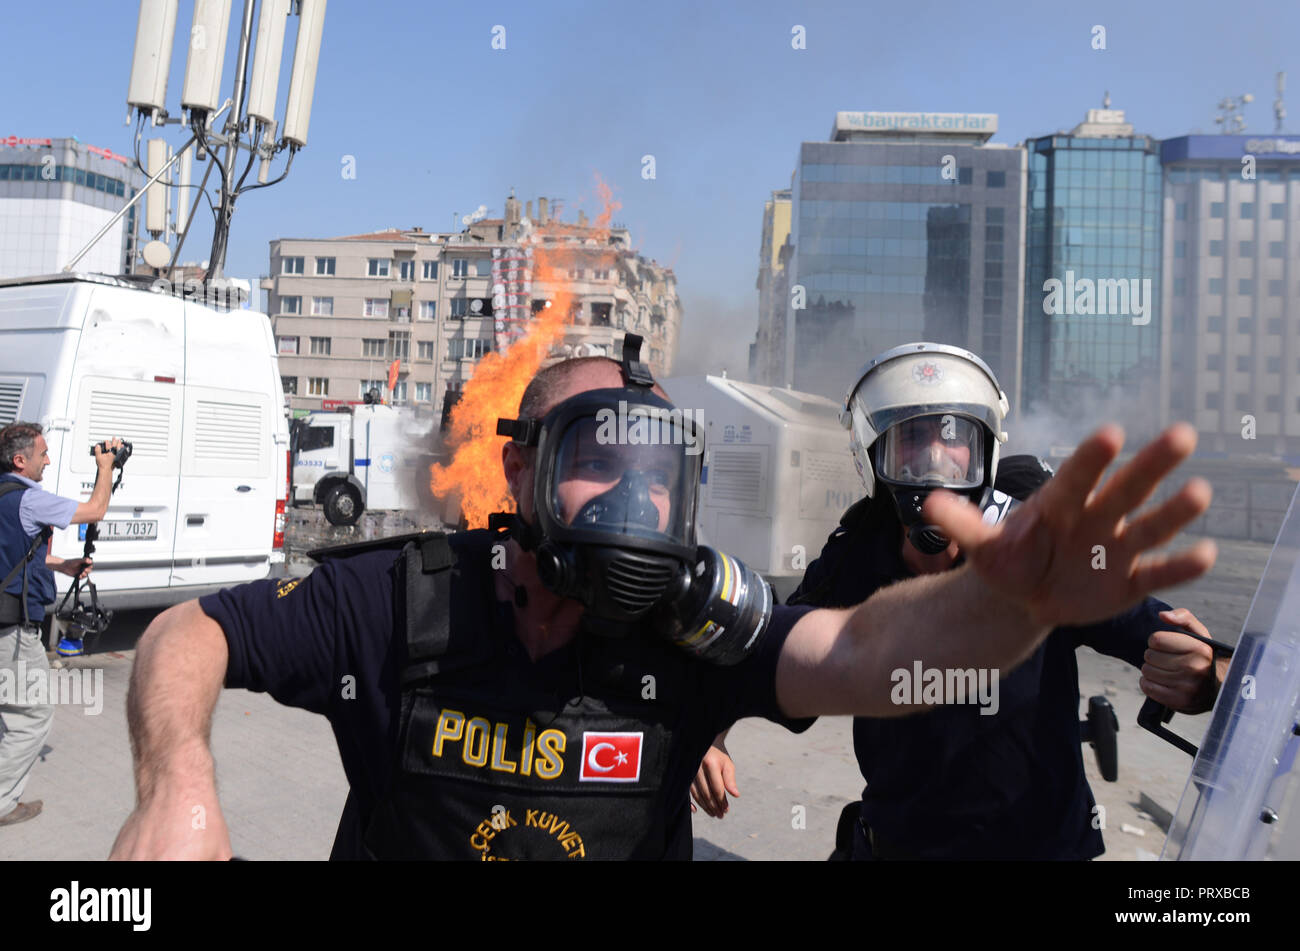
{"points": [[297, 639], [951, 783]]}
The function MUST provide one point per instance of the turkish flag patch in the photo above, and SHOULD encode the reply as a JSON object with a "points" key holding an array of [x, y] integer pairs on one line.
{"points": [[611, 757]]}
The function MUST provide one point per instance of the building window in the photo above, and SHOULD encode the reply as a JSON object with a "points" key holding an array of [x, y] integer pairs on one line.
{"points": [[367, 385], [290, 384], [1216, 211], [286, 345], [1216, 285], [600, 314], [459, 307], [1273, 364], [1243, 402], [1246, 285], [429, 271], [1274, 288], [1214, 325], [1214, 361], [577, 274], [1248, 209], [997, 180], [378, 267], [1216, 249], [400, 343], [322, 306], [1180, 211], [1277, 249], [406, 270], [399, 392], [460, 267], [1213, 401], [483, 267], [1243, 363], [1180, 286], [428, 309], [1245, 325], [424, 392], [424, 350], [324, 267], [320, 346], [318, 386], [1180, 249], [965, 176], [291, 305], [458, 349], [1246, 249], [1275, 326], [1277, 211], [1273, 403], [376, 307], [600, 275], [291, 265], [374, 347]]}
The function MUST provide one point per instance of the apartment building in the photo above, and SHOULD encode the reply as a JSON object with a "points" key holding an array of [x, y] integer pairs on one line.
{"points": [[343, 309]]}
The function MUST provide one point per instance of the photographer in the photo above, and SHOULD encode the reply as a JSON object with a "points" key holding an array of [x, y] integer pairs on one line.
{"points": [[28, 515]]}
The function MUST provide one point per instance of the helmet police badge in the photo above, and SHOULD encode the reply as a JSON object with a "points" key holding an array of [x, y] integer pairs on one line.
{"points": [[925, 416]]}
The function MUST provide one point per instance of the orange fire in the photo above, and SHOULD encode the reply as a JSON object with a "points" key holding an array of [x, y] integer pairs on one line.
{"points": [[475, 474]]}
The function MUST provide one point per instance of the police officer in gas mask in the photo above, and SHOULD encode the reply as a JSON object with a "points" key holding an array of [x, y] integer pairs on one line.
{"points": [[998, 773], [546, 688]]}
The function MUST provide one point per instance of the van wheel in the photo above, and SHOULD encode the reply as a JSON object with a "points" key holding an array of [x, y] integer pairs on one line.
{"points": [[343, 505]]}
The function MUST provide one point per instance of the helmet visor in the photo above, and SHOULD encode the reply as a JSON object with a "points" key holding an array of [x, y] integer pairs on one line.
{"points": [[943, 450], [627, 477]]}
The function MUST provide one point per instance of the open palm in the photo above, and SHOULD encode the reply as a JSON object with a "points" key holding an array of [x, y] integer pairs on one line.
{"points": [[1049, 554]]}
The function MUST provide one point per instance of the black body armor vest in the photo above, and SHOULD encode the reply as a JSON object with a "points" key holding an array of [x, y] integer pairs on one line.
{"points": [[490, 763]]}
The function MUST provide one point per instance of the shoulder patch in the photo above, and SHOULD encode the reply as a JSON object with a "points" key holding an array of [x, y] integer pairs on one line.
{"points": [[285, 586]]}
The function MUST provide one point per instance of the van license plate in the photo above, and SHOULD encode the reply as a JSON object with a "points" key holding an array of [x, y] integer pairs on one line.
{"points": [[129, 530]]}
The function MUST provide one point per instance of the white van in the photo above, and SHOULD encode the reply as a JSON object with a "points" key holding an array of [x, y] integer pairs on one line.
{"points": [[194, 388]]}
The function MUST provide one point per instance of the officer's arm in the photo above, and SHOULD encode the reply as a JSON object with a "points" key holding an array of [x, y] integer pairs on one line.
{"points": [[840, 661], [1024, 576], [179, 669]]}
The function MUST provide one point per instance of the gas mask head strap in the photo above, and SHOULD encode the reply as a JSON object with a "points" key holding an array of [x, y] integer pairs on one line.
{"points": [[635, 373]]}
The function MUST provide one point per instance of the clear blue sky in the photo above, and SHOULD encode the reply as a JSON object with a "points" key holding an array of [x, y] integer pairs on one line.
{"points": [[439, 122]]}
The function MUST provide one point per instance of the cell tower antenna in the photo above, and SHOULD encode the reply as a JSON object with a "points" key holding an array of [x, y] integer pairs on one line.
{"points": [[1279, 107]]}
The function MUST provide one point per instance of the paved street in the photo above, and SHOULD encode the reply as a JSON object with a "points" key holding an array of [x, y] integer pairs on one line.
{"points": [[282, 787]]}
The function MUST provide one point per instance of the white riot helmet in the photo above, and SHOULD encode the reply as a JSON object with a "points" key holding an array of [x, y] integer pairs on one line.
{"points": [[925, 416]]}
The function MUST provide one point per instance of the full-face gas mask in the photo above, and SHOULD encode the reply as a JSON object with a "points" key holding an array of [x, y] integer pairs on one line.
{"points": [[616, 477], [925, 416]]}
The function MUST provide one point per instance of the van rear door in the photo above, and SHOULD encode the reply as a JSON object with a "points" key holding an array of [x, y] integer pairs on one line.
{"points": [[228, 491], [126, 382]]}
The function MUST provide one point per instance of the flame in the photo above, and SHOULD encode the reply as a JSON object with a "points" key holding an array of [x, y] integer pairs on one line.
{"points": [[493, 392]]}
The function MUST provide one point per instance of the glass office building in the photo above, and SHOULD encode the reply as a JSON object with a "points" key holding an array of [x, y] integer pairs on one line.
{"points": [[1093, 322], [905, 227]]}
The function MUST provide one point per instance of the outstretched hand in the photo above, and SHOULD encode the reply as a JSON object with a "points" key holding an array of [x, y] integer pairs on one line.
{"points": [[1069, 555]]}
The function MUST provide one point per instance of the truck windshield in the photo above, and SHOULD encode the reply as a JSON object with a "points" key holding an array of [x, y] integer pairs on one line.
{"points": [[315, 437]]}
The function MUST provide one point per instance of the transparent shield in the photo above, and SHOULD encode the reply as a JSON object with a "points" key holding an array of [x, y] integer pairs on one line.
{"points": [[1242, 800], [941, 450], [627, 474]]}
